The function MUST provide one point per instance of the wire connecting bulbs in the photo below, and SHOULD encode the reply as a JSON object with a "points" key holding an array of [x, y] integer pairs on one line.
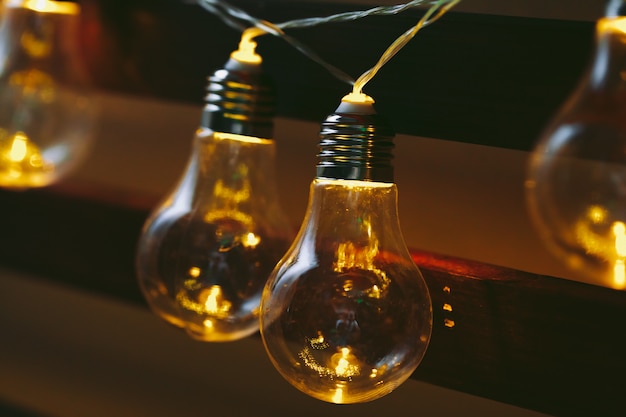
{"points": [[46, 110], [346, 316], [205, 253], [576, 185]]}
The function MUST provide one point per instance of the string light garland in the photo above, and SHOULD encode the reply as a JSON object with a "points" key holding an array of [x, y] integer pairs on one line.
{"points": [[346, 315], [254, 27]]}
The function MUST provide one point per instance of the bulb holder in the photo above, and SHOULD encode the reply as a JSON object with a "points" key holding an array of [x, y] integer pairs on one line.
{"points": [[356, 146], [241, 100]]}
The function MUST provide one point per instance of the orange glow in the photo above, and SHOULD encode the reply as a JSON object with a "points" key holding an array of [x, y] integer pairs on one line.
{"points": [[357, 98], [250, 240], [448, 323], [47, 6], [21, 163], [619, 274], [246, 53], [241, 138], [612, 24]]}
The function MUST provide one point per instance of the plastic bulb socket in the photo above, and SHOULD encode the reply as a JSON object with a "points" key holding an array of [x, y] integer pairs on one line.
{"points": [[346, 315], [576, 184]]}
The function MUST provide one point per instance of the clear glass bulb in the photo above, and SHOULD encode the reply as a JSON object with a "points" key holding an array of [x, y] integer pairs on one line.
{"points": [[47, 114], [206, 252], [346, 316], [576, 185]]}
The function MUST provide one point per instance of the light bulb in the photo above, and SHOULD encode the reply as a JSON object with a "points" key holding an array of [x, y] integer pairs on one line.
{"points": [[576, 184], [47, 113], [346, 315], [207, 250]]}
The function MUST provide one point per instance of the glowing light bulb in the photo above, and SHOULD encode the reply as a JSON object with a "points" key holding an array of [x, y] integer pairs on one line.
{"points": [[207, 250], [46, 110], [576, 185], [346, 316]]}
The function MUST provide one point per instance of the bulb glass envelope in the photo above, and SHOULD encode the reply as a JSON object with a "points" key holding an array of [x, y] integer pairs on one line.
{"points": [[576, 186], [47, 114], [346, 316]]}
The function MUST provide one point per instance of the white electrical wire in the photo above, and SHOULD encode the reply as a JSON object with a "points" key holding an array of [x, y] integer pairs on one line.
{"points": [[234, 17], [435, 11], [241, 20]]}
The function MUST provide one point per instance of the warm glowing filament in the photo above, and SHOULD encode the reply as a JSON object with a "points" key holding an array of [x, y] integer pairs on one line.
{"points": [[338, 397], [213, 303], [250, 240], [318, 343], [233, 196], [22, 162], [619, 230], [224, 215], [619, 274], [343, 367], [209, 301], [241, 138], [449, 323], [344, 364], [47, 6], [597, 214], [349, 256], [19, 148]]}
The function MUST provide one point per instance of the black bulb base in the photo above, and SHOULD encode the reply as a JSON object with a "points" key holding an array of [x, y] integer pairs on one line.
{"points": [[356, 147], [240, 100]]}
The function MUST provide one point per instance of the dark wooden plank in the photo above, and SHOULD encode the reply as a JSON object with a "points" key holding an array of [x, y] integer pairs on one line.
{"points": [[537, 342], [492, 80]]}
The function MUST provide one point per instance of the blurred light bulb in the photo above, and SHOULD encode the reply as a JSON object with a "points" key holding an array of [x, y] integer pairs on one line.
{"points": [[46, 111], [346, 316], [576, 184], [207, 250]]}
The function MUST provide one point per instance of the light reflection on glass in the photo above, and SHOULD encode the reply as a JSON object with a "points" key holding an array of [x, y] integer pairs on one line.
{"points": [[338, 397], [47, 6], [619, 274], [608, 243], [22, 162], [448, 323]]}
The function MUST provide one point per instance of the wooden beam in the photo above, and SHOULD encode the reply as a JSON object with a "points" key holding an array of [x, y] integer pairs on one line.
{"points": [[538, 342]]}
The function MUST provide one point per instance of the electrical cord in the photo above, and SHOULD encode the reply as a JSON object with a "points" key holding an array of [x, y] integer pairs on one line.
{"points": [[253, 27]]}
